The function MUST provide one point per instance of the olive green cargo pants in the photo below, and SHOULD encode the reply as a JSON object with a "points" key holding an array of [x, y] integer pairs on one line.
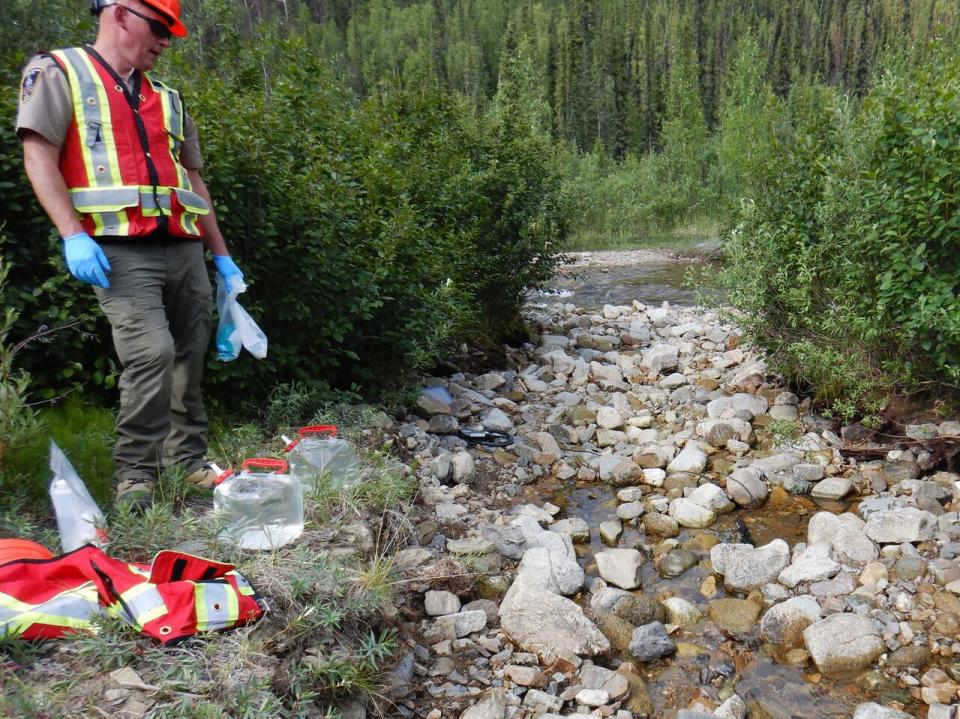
{"points": [[159, 305]]}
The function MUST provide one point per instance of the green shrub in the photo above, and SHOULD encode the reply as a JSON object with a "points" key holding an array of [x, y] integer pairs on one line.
{"points": [[17, 417], [911, 197], [742, 134], [83, 431], [845, 265]]}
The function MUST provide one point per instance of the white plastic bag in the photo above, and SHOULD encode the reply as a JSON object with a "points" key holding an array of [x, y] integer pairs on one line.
{"points": [[79, 519], [237, 328]]}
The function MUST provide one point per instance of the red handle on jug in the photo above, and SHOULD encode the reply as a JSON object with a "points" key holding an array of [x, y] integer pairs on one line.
{"points": [[327, 429], [223, 477], [277, 465]]}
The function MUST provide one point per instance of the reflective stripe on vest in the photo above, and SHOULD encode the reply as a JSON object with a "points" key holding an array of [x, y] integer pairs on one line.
{"points": [[102, 200], [243, 586], [72, 609], [216, 605], [108, 199], [90, 104], [145, 603], [173, 119]]}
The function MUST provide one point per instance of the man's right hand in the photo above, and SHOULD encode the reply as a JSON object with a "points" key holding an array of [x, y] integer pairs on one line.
{"points": [[86, 260]]}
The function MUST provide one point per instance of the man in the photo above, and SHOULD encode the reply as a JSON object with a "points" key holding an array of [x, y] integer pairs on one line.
{"points": [[115, 162]]}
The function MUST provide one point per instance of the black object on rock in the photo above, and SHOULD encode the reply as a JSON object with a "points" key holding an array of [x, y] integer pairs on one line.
{"points": [[486, 437]]}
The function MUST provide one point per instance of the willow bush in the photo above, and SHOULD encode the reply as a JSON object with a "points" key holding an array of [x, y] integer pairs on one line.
{"points": [[845, 266]]}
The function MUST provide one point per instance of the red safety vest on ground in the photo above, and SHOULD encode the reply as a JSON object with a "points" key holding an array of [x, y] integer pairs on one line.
{"points": [[121, 158], [174, 597]]}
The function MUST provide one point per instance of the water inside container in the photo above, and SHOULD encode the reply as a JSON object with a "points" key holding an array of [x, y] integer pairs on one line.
{"points": [[260, 510], [313, 458]]}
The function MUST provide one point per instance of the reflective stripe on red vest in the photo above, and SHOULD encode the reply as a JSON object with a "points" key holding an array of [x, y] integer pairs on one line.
{"points": [[175, 597], [121, 157]]}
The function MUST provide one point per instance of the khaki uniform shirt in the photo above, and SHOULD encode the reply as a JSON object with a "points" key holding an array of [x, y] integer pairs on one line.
{"points": [[46, 107]]}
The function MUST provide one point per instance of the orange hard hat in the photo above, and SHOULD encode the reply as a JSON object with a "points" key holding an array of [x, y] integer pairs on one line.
{"points": [[170, 9], [13, 549]]}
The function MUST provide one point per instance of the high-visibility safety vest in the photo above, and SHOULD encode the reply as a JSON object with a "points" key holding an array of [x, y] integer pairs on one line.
{"points": [[175, 597], [121, 157]]}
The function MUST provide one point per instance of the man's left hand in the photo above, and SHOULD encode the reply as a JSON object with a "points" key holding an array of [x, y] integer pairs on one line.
{"points": [[228, 271]]}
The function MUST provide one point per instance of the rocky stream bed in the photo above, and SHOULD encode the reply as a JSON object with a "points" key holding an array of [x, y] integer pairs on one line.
{"points": [[670, 532]]}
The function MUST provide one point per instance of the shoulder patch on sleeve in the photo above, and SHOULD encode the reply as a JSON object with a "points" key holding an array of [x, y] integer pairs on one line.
{"points": [[30, 80]]}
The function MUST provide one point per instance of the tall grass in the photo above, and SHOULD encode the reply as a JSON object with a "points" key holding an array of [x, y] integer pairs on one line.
{"points": [[685, 237], [85, 433]]}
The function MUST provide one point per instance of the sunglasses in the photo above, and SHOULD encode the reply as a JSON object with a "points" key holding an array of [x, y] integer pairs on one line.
{"points": [[159, 28]]}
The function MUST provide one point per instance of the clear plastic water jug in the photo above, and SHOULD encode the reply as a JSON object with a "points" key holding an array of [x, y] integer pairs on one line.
{"points": [[261, 507], [318, 453]]}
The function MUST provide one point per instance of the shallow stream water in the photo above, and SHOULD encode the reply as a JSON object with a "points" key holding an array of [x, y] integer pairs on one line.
{"points": [[770, 686], [592, 287]]}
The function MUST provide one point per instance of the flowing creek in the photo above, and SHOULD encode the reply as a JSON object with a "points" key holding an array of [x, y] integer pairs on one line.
{"points": [[710, 662], [658, 277], [783, 691]]}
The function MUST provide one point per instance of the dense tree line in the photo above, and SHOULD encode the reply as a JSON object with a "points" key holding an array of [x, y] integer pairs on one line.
{"points": [[604, 67], [845, 266]]}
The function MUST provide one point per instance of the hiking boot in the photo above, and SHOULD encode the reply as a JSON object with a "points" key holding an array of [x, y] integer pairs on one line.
{"points": [[202, 478], [134, 495]]}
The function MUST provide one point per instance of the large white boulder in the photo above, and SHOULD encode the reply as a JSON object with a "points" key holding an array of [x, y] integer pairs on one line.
{"points": [[783, 624], [620, 567], [902, 525], [752, 403], [745, 567], [609, 418], [843, 643], [548, 625], [690, 514], [747, 488], [712, 497], [813, 565], [692, 459], [492, 705], [870, 710], [851, 546], [661, 357], [551, 571]]}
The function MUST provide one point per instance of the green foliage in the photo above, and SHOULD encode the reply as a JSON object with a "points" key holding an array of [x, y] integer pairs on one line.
{"points": [[17, 419], [845, 265], [683, 160], [785, 430], [139, 536], [20, 518], [744, 129], [340, 673], [63, 318], [659, 197], [86, 435], [252, 700], [911, 196], [112, 645], [19, 699], [604, 67]]}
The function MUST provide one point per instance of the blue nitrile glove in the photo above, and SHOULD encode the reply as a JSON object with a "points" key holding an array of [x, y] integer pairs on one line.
{"points": [[228, 270], [86, 260]]}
